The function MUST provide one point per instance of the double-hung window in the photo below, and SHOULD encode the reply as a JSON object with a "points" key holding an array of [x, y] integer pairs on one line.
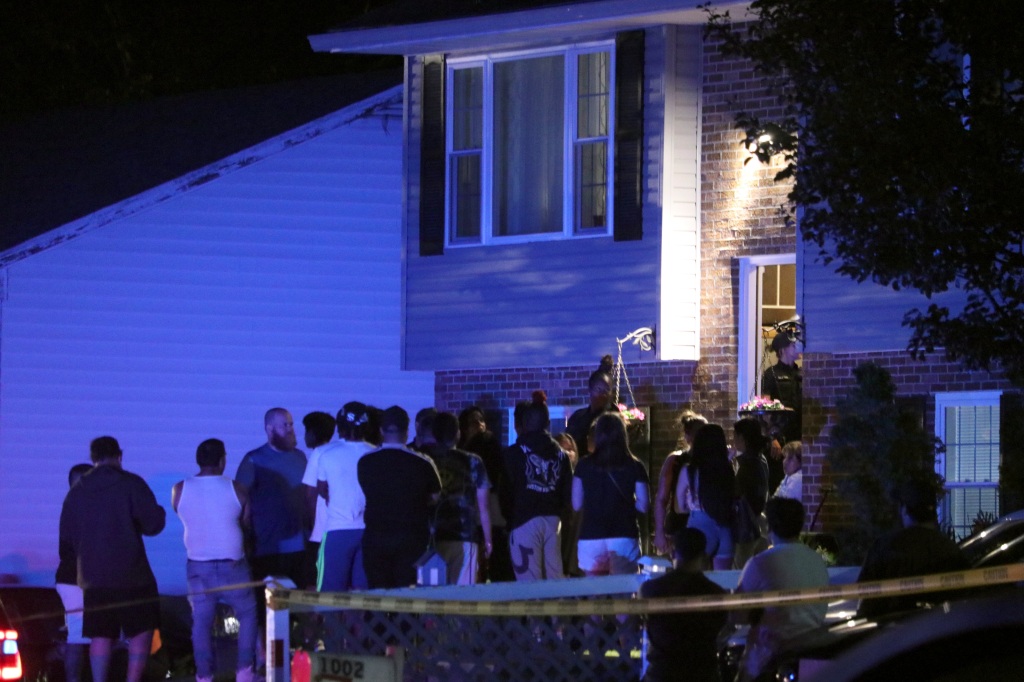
{"points": [[529, 145], [968, 425]]}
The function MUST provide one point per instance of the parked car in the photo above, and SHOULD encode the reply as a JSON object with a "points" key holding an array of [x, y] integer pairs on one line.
{"points": [[1000, 544], [10, 651], [35, 616], [1013, 516], [968, 640]]}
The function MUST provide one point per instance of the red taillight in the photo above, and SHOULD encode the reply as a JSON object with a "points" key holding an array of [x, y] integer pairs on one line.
{"points": [[10, 657]]}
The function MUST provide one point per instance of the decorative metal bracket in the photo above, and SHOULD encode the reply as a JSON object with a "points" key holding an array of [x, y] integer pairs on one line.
{"points": [[643, 337]]}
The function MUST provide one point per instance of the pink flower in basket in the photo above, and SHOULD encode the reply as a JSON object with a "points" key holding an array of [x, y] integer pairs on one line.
{"points": [[631, 414], [760, 404]]}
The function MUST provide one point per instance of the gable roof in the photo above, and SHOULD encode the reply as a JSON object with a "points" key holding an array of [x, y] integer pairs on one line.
{"points": [[63, 166], [431, 32]]}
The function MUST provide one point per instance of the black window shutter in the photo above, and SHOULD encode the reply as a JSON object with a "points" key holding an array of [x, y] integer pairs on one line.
{"points": [[1011, 451], [629, 135], [432, 147]]}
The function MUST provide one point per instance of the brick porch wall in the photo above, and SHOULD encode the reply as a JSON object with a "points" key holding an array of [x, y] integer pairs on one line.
{"points": [[665, 387]]}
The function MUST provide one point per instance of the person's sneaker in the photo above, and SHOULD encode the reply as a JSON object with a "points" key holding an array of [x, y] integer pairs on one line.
{"points": [[245, 675]]}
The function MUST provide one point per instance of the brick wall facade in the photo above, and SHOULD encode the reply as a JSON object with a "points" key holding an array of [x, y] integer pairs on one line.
{"points": [[740, 217]]}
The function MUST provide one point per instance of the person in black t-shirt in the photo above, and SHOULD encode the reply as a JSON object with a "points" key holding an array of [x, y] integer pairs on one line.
{"points": [[599, 387], [540, 479], [401, 487], [751, 486], [683, 645], [611, 487]]}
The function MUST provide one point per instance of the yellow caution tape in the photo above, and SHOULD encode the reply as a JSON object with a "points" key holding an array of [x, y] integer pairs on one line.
{"points": [[279, 598], [136, 602], [282, 598]]}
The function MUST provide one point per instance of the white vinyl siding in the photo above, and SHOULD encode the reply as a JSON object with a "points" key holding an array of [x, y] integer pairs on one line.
{"points": [[845, 316], [275, 284]]}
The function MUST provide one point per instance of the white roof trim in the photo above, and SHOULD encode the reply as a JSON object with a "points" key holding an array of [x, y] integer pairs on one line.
{"points": [[168, 190], [518, 28]]}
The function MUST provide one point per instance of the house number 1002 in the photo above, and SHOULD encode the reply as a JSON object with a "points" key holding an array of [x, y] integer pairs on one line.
{"points": [[338, 669]]}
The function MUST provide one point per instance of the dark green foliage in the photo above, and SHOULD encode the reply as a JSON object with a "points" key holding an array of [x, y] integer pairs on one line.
{"points": [[876, 445], [907, 175]]}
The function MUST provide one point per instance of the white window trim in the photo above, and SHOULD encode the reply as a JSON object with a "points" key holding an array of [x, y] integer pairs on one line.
{"points": [[749, 320], [487, 61]]}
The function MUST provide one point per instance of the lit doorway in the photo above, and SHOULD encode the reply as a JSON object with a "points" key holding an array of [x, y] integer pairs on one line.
{"points": [[767, 298]]}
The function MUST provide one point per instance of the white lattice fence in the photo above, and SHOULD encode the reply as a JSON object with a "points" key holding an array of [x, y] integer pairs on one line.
{"points": [[471, 648]]}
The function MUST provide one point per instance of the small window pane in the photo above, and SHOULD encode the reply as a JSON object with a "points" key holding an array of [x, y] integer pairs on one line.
{"points": [[591, 185], [963, 504], [787, 286], [468, 109], [466, 194], [778, 294], [592, 95], [972, 444], [770, 283], [529, 105]]}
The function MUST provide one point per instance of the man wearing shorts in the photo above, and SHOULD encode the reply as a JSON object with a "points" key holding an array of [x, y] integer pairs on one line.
{"points": [[103, 520]]}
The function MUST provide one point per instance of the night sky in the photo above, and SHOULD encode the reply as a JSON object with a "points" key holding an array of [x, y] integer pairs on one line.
{"points": [[103, 99], [64, 53]]}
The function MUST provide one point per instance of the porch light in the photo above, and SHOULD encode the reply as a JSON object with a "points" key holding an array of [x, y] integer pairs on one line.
{"points": [[764, 140]]}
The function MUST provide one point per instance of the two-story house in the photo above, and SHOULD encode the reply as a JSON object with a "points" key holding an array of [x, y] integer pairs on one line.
{"points": [[573, 173]]}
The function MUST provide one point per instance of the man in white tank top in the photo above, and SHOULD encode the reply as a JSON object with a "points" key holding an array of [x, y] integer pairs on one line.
{"points": [[213, 509]]}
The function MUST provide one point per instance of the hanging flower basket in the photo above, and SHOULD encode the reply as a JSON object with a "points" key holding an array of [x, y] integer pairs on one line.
{"points": [[772, 414], [636, 418], [636, 422], [631, 415]]}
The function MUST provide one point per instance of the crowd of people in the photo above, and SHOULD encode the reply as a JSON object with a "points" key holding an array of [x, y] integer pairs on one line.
{"points": [[364, 509], [373, 498]]}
